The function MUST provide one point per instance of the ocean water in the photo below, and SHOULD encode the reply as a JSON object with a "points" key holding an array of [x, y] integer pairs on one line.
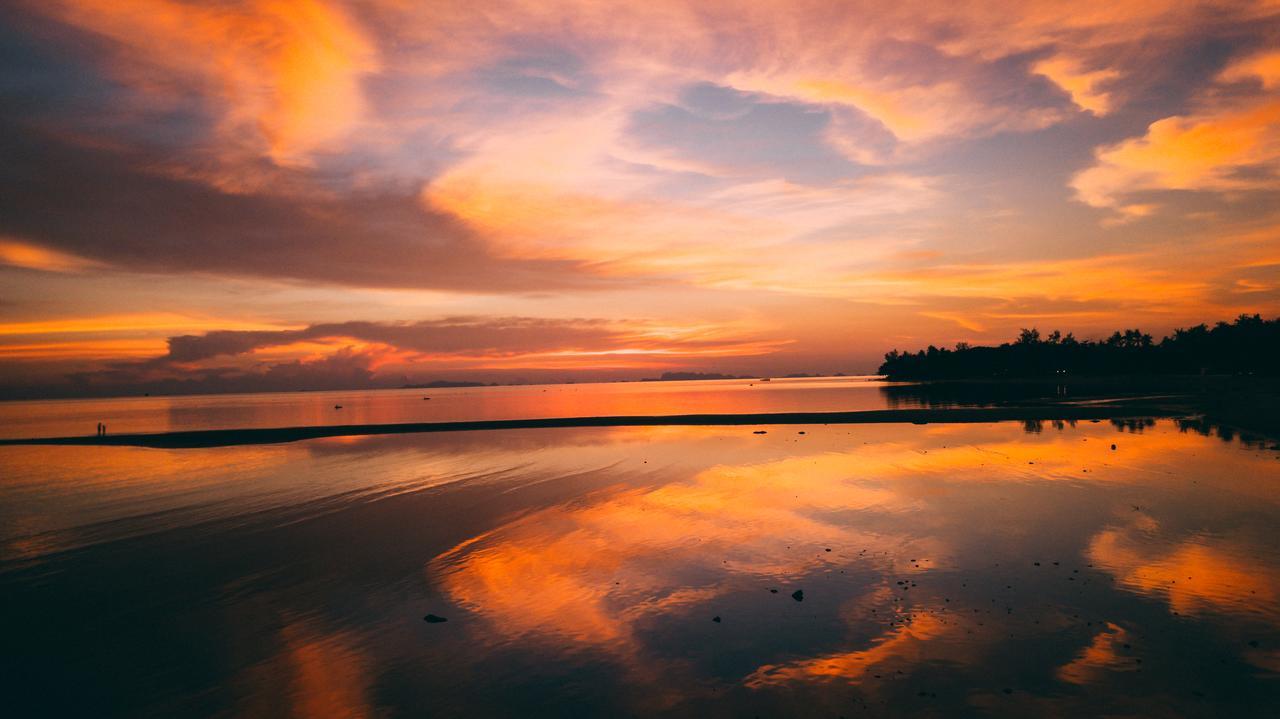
{"points": [[1003, 569], [44, 418]]}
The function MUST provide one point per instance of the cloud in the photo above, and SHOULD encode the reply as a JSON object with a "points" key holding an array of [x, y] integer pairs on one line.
{"points": [[346, 368], [357, 354], [473, 336], [1083, 86], [1232, 143], [286, 73], [1199, 153], [111, 207], [15, 253]]}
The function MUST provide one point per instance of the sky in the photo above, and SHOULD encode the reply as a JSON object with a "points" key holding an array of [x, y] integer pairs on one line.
{"points": [[230, 195]]}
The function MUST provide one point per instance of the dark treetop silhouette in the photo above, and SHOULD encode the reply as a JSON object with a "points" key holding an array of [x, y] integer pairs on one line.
{"points": [[1250, 345]]}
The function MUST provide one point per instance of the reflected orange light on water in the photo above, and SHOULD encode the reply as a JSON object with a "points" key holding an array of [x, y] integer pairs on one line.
{"points": [[545, 574], [326, 676], [1100, 656], [905, 642], [1194, 575], [593, 573]]}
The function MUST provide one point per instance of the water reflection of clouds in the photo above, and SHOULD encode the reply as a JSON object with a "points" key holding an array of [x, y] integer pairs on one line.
{"points": [[588, 571], [1100, 656], [600, 571], [905, 643], [1193, 574]]}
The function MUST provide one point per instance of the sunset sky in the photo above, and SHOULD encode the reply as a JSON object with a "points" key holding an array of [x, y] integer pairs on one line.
{"points": [[284, 194]]}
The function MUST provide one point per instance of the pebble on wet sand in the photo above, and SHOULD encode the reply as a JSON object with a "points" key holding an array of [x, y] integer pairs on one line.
{"points": [[434, 619], [798, 595]]}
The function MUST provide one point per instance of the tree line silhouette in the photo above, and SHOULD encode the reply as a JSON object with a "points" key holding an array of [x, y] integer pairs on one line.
{"points": [[1249, 345]]}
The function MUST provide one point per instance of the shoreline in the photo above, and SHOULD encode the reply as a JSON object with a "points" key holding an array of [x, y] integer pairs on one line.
{"points": [[193, 439]]}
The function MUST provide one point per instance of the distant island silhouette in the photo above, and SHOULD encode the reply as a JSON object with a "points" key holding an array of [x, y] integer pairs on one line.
{"points": [[1248, 346], [444, 383], [691, 376]]}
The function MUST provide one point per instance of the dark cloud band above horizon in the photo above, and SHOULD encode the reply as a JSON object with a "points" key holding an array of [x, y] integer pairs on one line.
{"points": [[111, 206], [476, 336]]}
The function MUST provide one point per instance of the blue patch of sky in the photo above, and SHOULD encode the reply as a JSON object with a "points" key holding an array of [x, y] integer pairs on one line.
{"points": [[745, 133], [538, 71]]}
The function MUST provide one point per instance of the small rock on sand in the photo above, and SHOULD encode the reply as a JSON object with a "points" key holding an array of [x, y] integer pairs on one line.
{"points": [[798, 595], [434, 619], [716, 619]]}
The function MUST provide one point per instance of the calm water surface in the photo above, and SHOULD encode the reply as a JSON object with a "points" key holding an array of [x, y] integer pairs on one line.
{"points": [[946, 570], [292, 409]]}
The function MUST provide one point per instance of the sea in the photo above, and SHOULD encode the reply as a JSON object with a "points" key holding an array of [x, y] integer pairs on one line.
{"points": [[1012, 569]]}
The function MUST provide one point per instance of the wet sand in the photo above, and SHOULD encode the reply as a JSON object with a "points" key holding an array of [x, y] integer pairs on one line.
{"points": [[1008, 569]]}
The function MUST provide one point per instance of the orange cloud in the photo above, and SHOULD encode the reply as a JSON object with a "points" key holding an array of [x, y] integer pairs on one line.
{"points": [[1185, 153], [34, 257], [287, 72], [1201, 151], [1082, 280], [83, 349], [1082, 86], [1263, 67], [134, 323]]}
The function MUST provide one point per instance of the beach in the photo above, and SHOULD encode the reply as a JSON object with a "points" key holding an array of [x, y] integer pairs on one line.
{"points": [[670, 568]]}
